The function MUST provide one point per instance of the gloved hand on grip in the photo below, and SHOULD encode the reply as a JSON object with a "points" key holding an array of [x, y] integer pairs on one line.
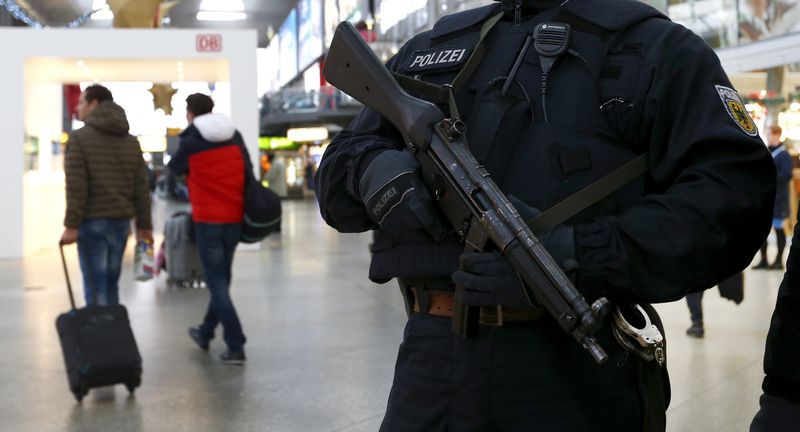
{"points": [[559, 241], [489, 279], [395, 197]]}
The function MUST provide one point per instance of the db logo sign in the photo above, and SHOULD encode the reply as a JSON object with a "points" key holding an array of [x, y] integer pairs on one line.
{"points": [[209, 43]]}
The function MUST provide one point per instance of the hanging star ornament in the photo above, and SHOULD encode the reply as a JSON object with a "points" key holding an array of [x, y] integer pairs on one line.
{"points": [[139, 13], [162, 97]]}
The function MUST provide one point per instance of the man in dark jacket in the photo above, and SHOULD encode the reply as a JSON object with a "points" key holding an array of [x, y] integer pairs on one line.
{"points": [[631, 82], [783, 162], [107, 185], [212, 155]]}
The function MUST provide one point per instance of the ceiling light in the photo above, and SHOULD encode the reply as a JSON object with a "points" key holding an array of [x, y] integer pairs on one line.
{"points": [[220, 16], [80, 63], [222, 5]]}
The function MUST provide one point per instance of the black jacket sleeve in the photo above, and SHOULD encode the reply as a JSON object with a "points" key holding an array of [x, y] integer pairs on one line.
{"points": [[783, 341], [710, 189], [347, 155]]}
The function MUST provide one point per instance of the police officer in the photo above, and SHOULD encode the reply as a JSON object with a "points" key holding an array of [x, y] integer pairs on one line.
{"points": [[628, 82], [780, 403]]}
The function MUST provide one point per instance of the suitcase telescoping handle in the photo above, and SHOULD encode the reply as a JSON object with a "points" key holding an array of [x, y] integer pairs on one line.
{"points": [[66, 274]]}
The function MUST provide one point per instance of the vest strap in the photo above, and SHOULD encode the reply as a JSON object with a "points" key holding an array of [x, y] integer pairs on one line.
{"points": [[589, 195]]}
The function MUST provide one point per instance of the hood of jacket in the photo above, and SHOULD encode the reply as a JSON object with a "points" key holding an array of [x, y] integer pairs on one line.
{"points": [[529, 6], [110, 118], [215, 127]]}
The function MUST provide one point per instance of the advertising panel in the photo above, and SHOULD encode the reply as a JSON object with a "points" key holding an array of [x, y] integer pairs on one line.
{"points": [[309, 32], [288, 48], [713, 20], [761, 19], [268, 62], [331, 20]]}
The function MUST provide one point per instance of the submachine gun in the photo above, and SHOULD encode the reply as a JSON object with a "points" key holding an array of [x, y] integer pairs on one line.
{"points": [[464, 192]]}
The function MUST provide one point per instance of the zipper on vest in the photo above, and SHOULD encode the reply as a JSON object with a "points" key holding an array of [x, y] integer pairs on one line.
{"points": [[517, 12]]}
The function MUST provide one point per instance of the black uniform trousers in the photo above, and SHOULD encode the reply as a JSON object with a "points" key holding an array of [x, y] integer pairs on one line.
{"points": [[519, 377]]}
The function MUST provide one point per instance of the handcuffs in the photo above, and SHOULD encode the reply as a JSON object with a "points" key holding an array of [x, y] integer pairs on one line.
{"points": [[634, 330]]}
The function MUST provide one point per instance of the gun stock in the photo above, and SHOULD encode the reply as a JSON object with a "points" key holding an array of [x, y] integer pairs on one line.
{"points": [[352, 67]]}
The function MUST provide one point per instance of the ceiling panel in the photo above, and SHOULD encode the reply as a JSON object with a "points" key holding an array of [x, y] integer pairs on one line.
{"points": [[261, 15]]}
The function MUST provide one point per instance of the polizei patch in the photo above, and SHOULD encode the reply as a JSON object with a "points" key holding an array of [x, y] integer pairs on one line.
{"points": [[438, 58], [735, 108]]}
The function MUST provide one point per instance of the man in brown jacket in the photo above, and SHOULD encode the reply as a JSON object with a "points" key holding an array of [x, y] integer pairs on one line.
{"points": [[106, 186]]}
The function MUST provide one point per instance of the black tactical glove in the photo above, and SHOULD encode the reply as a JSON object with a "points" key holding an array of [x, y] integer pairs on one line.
{"points": [[489, 279], [395, 196]]}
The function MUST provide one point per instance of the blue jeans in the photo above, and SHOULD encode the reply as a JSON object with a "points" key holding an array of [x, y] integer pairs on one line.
{"points": [[101, 244], [216, 244]]}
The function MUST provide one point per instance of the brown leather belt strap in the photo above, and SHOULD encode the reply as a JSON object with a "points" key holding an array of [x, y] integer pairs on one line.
{"points": [[440, 303]]}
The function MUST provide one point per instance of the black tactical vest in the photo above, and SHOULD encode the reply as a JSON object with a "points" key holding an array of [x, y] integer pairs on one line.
{"points": [[594, 98]]}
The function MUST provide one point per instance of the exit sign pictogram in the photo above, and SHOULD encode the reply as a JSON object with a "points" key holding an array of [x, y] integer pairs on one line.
{"points": [[209, 42]]}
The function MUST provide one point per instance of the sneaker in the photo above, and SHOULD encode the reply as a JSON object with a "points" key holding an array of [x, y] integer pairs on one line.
{"points": [[761, 265], [777, 265], [233, 357], [696, 330], [197, 337]]}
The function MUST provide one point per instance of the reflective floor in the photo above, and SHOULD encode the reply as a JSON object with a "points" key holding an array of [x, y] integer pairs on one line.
{"points": [[321, 346]]}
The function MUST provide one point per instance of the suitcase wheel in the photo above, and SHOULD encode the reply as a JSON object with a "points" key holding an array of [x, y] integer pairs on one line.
{"points": [[133, 383], [83, 390]]}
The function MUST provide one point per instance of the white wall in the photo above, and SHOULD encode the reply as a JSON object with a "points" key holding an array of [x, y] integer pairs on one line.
{"points": [[238, 47]]}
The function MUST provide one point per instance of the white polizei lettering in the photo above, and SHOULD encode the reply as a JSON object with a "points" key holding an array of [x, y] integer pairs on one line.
{"points": [[417, 60], [457, 55], [438, 58], [444, 58], [428, 60]]}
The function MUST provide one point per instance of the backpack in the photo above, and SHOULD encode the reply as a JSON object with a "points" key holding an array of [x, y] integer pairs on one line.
{"points": [[262, 208]]}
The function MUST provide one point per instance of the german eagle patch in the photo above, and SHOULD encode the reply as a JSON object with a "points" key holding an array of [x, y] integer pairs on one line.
{"points": [[735, 108]]}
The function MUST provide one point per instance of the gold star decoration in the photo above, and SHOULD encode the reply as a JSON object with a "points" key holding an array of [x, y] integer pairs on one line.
{"points": [[162, 97], [139, 13]]}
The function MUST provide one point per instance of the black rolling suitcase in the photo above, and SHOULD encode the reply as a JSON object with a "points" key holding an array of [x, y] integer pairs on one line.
{"points": [[98, 345]]}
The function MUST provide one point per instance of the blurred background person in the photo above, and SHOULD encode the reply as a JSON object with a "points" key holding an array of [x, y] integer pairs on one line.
{"points": [[106, 186], [783, 162], [276, 176], [731, 288], [780, 402], [212, 155]]}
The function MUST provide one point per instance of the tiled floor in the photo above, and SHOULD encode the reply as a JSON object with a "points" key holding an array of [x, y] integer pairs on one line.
{"points": [[321, 346]]}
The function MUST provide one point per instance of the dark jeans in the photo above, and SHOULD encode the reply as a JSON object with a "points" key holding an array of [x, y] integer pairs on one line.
{"points": [[216, 244], [695, 302], [523, 377], [101, 244]]}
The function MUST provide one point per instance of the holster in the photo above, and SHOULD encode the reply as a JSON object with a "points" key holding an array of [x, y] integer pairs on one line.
{"points": [[408, 296]]}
